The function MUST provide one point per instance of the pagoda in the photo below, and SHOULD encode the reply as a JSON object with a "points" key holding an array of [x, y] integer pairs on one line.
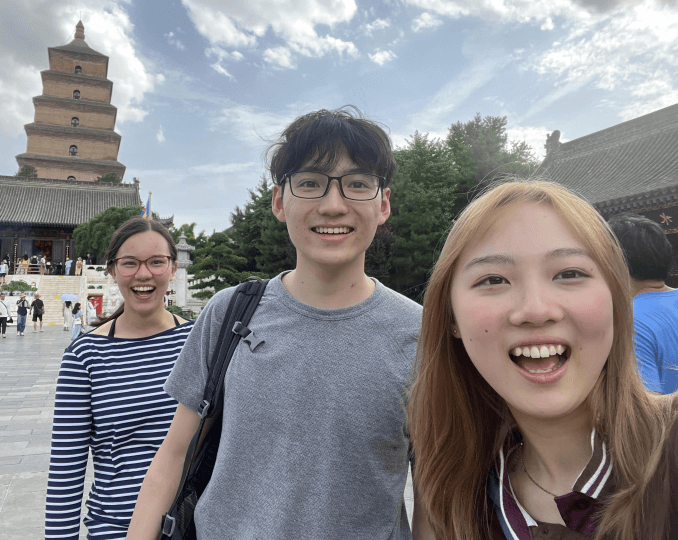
{"points": [[72, 136]]}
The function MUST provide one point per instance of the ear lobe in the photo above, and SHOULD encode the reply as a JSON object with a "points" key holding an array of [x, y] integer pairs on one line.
{"points": [[385, 208]]}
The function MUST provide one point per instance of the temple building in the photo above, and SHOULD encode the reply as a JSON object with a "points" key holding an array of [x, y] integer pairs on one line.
{"points": [[72, 137], [71, 144], [630, 167]]}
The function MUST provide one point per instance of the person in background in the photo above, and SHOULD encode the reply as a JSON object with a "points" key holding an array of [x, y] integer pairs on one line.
{"points": [[21, 314], [109, 397], [68, 316], [23, 265], [78, 267], [3, 271], [91, 313], [78, 321], [4, 314], [43, 265], [67, 266], [38, 309], [655, 305], [89, 259]]}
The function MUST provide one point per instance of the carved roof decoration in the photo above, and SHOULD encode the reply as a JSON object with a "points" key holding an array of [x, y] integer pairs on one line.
{"points": [[78, 44], [620, 168], [41, 201]]}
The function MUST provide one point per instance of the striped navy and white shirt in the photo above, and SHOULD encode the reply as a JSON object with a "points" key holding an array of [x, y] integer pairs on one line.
{"points": [[109, 398]]}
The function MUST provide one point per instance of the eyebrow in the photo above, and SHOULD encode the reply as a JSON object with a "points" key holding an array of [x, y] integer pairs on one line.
{"points": [[507, 259]]}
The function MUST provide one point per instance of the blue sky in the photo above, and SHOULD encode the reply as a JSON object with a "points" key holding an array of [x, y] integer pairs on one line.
{"points": [[202, 86]]}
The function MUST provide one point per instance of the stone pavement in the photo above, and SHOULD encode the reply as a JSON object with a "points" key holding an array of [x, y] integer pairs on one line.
{"points": [[29, 366]]}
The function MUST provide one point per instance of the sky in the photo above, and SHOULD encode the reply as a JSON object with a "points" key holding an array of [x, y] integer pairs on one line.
{"points": [[203, 87]]}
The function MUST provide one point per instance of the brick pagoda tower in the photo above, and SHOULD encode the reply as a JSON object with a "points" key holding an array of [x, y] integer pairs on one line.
{"points": [[72, 136]]}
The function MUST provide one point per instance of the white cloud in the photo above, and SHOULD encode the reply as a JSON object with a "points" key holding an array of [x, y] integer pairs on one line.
{"points": [[160, 135], [39, 25], [547, 24], [382, 57], [426, 21], [254, 125], [377, 24], [242, 23], [173, 40]]}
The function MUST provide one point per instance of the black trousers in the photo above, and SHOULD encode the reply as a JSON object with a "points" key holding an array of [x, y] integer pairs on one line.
{"points": [[3, 324]]}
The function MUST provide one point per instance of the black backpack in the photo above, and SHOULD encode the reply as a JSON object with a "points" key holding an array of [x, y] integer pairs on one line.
{"points": [[177, 523]]}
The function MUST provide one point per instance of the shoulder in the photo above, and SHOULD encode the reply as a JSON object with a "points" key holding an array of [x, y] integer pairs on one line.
{"points": [[398, 306]]}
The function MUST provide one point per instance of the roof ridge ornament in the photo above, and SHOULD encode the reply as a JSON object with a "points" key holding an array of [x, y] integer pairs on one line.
{"points": [[552, 143], [80, 31]]}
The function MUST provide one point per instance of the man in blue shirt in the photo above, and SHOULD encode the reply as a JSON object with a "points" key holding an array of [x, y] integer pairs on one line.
{"points": [[655, 304]]}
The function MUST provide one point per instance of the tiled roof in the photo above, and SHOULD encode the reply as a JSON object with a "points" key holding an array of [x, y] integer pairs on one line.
{"points": [[78, 46], [41, 201], [624, 161]]}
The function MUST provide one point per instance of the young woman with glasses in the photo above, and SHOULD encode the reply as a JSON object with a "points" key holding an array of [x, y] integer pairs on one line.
{"points": [[109, 397], [528, 416]]}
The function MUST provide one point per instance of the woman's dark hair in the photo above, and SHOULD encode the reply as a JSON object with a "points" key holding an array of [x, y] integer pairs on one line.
{"points": [[131, 227], [76, 308], [25, 256], [324, 136]]}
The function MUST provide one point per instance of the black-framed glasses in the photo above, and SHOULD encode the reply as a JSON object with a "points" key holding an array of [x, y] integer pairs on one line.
{"points": [[128, 266], [315, 185]]}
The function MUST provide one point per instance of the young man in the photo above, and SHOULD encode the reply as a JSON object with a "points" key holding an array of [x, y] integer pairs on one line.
{"points": [[38, 309], [314, 442], [655, 304]]}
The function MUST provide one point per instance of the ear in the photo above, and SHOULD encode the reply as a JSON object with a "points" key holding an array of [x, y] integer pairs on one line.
{"points": [[385, 209], [277, 205], [174, 270]]}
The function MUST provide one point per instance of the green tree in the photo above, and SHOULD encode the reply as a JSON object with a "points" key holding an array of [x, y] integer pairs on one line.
{"points": [[422, 202], [95, 235], [215, 265], [259, 237], [483, 153], [110, 177], [188, 230], [27, 171]]}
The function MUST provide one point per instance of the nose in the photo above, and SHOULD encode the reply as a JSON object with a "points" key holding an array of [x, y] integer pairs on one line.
{"points": [[143, 271], [333, 202], [535, 306]]}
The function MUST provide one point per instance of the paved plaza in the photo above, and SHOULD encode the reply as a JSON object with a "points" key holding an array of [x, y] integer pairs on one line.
{"points": [[29, 366]]}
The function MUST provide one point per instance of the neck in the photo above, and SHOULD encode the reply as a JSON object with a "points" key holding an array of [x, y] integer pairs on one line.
{"points": [[327, 287], [648, 285], [137, 325], [556, 452]]}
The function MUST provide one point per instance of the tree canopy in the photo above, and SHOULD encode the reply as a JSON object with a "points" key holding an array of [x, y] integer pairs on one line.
{"points": [[27, 171], [95, 235], [215, 266], [110, 177]]}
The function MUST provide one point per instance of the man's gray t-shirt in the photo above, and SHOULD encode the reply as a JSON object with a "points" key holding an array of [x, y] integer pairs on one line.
{"points": [[314, 443]]}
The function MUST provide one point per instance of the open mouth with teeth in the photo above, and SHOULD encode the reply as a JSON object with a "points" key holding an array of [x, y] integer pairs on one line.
{"points": [[332, 230], [540, 358], [142, 291]]}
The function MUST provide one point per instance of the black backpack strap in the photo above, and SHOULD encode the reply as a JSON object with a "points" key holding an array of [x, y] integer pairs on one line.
{"points": [[240, 309]]}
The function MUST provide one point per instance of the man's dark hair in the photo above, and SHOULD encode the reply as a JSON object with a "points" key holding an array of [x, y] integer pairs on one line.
{"points": [[647, 250], [322, 137]]}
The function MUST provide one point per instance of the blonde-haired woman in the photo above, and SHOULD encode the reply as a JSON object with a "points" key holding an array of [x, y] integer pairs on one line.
{"points": [[528, 416]]}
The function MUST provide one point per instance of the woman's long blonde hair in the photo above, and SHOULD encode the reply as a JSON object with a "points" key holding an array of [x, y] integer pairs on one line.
{"points": [[458, 422]]}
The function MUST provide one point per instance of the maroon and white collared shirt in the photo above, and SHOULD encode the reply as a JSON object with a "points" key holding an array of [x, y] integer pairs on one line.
{"points": [[577, 508]]}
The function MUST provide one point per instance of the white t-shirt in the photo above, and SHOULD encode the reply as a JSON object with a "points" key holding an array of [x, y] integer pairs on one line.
{"points": [[4, 308], [3, 268]]}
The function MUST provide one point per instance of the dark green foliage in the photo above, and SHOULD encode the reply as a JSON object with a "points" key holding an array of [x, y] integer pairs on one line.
{"points": [[259, 237], [422, 201], [378, 255], [215, 265], [95, 235], [27, 171], [17, 285], [110, 177]]}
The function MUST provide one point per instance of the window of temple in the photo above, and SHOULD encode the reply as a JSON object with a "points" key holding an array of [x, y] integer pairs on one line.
{"points": [[71, 178], [73, 151], [78, 70], [76, 94], [75, 121]]}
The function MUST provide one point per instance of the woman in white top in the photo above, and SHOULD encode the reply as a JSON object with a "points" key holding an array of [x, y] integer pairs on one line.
{"points": [[68, 316]]}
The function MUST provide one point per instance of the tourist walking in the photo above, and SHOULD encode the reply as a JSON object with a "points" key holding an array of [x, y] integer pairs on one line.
{"points": [[68, 316], [78, 321], [91, 313], [78, 267], [109, 396], [67, 266], [23, 265], [4, 314], [528, 416], [43, 265], [4, 270], [21, 314], [38, 309]]}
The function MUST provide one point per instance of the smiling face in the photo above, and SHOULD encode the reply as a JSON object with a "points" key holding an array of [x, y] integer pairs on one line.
{"points": [[534, 312], [144, 292], [331, 232]]}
